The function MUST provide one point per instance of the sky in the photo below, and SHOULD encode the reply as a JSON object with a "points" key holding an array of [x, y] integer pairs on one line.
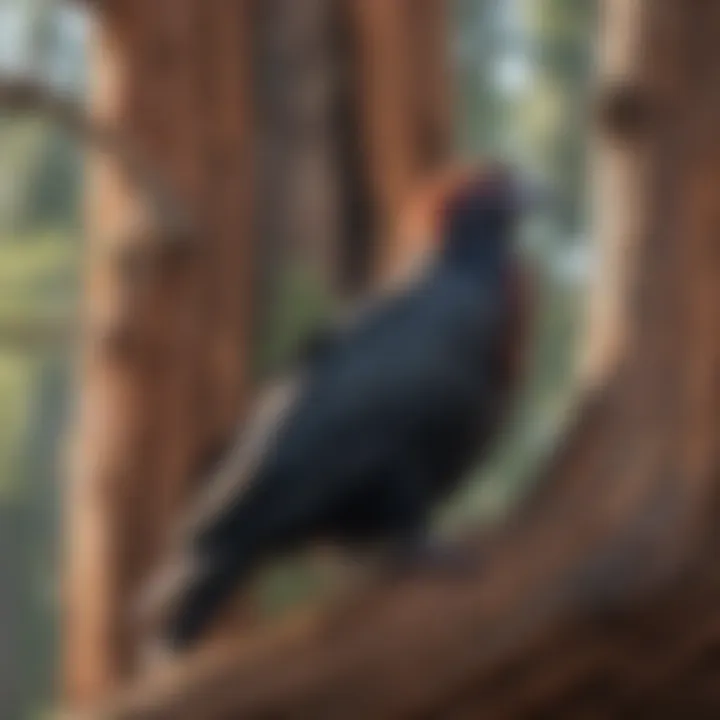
{"points": [[65, 53]]}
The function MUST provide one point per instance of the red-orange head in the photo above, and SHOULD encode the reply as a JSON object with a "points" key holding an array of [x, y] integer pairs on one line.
{"points": [[467, 204]]}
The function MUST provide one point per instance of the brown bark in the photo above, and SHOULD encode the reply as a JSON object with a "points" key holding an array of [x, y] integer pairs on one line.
{"points": [[355, 108], [620, 167], [404, 109], [298, 92], [164, 369], [599, 597]]}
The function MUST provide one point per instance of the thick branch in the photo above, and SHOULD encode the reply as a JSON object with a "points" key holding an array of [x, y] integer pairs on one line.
{"points": [[558, 616]]}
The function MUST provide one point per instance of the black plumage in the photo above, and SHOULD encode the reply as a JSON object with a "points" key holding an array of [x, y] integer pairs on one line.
{"points": [[385, 415]]}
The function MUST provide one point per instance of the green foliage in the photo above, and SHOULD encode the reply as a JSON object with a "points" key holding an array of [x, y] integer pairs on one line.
{"points": [[38, 274], [300, 304], [541, 124], [481, 108], [38, 278], [39, 259], [17, 378], [554, 115], [39, 179]]}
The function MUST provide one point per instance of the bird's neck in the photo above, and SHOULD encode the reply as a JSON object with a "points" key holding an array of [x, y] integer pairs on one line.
{"points": [[484, 261]]}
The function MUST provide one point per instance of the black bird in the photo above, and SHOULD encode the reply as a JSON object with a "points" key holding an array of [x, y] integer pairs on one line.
{"points": [[385, 415]]}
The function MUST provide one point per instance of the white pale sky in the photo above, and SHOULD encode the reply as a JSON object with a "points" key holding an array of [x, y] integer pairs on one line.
{"points": [[16, 52], [12, 37]]}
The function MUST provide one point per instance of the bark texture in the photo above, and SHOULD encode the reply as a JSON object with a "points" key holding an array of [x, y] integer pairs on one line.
{"points": [[404, 109], [164, 364]]}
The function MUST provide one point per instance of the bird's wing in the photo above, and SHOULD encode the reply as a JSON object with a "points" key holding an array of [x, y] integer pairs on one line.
{"points": [[253, 442], [245, 454], [233, 473], [228, 480]]}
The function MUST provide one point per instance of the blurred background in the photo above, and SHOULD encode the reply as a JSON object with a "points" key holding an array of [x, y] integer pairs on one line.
{"points": [[520, 75]]}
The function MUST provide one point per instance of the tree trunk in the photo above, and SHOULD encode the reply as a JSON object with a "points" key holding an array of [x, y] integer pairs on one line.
{"points": [[164, 367], [599, 597], [298, 85], [620, 178], [404, 109]]}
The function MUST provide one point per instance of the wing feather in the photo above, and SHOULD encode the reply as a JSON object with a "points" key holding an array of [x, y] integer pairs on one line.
{"points": [[252, 443]]}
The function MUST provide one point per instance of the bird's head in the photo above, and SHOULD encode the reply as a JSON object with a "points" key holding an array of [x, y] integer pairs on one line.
{"points": [[471, 214]]}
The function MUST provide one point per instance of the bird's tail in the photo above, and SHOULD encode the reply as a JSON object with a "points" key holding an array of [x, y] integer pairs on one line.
{"points": [[179, 603]]}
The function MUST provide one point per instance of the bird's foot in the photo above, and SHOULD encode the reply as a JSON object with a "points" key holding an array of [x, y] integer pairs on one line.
{"points": [[435, 557]]}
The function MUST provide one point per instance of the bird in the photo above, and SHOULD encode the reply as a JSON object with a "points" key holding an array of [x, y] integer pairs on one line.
{"points": [[384, 415]]}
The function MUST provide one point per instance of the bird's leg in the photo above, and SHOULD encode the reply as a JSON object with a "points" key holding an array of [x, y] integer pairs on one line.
{"points": [[411, 545], [421, 552]]}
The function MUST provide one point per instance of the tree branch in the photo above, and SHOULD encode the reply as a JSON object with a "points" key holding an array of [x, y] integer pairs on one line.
{"points": [[28, 97], [558, 616]]}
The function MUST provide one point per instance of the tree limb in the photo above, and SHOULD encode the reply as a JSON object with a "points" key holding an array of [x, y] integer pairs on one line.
{"points": [[560, 615], [28, 97]]}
